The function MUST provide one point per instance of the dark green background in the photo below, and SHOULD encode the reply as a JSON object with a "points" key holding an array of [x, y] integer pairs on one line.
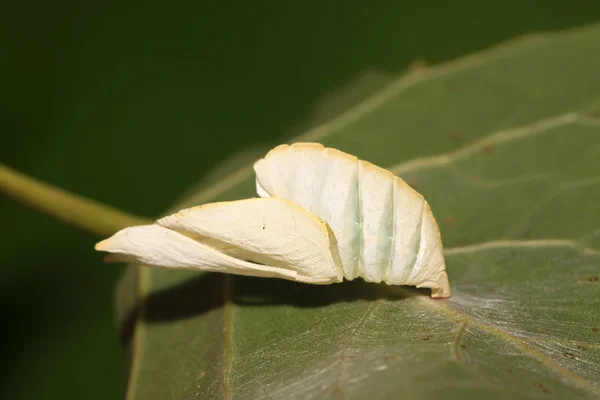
{"points": [[131, 104]]}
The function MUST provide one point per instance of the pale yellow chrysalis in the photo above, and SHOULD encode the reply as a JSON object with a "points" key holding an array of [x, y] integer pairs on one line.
{"points": [[323, 215]]}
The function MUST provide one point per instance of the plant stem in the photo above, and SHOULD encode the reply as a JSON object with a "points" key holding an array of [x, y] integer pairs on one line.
{"points": [[83, 213]]}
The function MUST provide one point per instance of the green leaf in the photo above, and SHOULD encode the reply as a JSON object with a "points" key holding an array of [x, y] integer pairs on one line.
{"points": [[505, 146]]}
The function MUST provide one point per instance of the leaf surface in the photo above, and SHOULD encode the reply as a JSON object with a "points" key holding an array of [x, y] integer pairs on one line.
{"points": [[505, 146]]}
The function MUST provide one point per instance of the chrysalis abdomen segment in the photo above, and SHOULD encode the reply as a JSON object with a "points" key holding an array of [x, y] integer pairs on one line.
{"points": [[384, 229], [376, 211], [408, 218]]}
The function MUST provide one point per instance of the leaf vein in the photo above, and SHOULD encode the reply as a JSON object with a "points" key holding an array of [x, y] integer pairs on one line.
{"points": [[536, 128], [513, 339], [498, 244], [456, 349], [350, 338], [228, 316]]}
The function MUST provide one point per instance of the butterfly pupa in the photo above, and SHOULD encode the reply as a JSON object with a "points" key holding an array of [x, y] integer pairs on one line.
{"points": [[384, 229], [271, 238], [322, 216]]}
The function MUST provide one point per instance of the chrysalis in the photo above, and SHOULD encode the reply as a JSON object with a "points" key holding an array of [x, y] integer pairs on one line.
{"points": [[323, 215]]}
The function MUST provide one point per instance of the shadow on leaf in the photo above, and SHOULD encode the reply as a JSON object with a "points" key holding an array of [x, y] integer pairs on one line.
{"points": [[206, 292]]}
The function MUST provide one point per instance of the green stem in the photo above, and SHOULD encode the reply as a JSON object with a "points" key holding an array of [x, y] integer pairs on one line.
{"points": [[85, 214]]}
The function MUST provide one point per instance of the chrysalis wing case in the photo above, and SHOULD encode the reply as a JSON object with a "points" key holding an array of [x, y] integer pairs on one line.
{"points": [[323, 215], [384, 229], [271, 238]]}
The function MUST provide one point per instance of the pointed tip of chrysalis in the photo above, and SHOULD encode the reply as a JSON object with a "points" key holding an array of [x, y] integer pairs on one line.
{"points": [[441, 289], [107, 245], [440, 292], [102, 245]]}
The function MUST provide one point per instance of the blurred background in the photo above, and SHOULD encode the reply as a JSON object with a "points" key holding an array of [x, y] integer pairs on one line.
{"points": [[133, 103]]}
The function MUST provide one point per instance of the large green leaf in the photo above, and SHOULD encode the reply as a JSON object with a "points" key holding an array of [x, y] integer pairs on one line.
{"points": [[505, 146]]}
